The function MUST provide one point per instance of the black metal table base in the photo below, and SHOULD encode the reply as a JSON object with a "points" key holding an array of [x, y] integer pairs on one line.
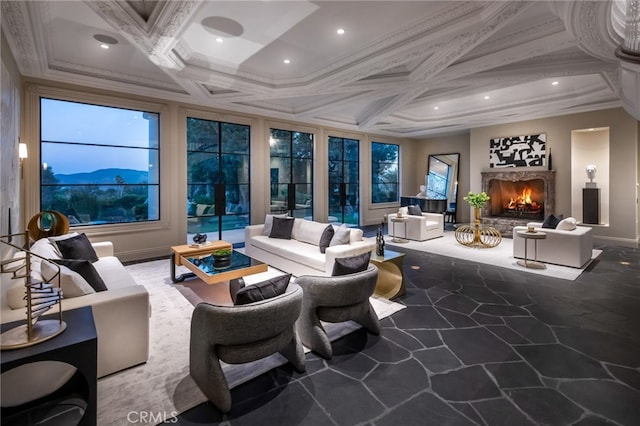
{"points": [[180, 278]]}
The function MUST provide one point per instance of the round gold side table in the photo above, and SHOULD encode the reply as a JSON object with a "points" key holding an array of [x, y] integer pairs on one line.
{"points": [[476, 235]]}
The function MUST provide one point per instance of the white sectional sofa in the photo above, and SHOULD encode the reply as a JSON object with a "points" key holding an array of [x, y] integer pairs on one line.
{"points": [[121, 313], [301, 254], [561, 247]]}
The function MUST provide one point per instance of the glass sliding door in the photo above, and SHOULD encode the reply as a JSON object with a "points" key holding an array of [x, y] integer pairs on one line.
{"points": [[291, 173], [344, 185], [217, 179]]}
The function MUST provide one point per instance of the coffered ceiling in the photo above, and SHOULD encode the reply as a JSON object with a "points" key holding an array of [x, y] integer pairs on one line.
{"points": [[401, 68]]}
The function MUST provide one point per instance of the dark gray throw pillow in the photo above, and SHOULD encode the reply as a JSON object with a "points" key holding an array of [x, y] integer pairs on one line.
{"points": [[351, 265], [78, 247], [552, 221], [86, 271], [234, 287], [282, 227], [325, 238], [263, 290], [415, 211]]}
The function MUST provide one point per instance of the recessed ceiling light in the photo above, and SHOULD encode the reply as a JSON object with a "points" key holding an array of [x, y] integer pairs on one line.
{"points": [[436, 107], [591, 130], [105, 40], [287, 61], [487, 97], [219, 39], [340, 31], [555, 83]]}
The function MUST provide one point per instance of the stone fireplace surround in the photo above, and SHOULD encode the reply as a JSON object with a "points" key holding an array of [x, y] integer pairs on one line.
{"points": [[504, 224]]}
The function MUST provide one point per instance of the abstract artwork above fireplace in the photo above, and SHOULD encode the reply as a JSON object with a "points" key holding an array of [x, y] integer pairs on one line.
{"points": [[518, 151]]}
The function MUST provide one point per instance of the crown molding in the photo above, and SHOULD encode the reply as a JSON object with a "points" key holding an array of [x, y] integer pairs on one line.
{"points": [[16, 26]]}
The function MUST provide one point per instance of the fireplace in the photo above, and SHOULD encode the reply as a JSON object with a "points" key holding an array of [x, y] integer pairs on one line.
{"points": [[517, 198], [523, 199]]}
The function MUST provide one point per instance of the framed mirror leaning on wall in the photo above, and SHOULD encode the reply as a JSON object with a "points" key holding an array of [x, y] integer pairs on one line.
{"points": [[442, 181]]}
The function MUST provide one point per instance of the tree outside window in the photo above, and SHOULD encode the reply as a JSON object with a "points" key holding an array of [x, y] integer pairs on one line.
{"points": [[385, 173]]}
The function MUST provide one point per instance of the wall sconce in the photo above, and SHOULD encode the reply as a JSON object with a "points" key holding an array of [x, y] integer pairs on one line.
{"points": [[22, 154]]}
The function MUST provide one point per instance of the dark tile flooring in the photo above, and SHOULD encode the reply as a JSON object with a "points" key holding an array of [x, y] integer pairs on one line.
{"points": [[477, 345]]}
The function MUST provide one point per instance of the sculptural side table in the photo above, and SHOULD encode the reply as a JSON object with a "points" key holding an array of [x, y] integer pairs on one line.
{"points": [[535, 236], [390, 283], [396, 221]]}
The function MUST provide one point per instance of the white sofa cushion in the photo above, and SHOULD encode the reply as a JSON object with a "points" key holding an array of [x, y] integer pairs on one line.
{"points": [[309, 231], [16, 296], [342, 235], [355, 235], [430, 224], [46, 249], [297, 251], [71, 282], [568, 224], [113, 274]]}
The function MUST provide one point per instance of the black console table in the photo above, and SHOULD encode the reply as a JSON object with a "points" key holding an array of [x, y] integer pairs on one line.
{"points": [[76, 346]]}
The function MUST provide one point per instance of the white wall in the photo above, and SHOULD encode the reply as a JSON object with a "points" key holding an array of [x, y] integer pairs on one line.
{"points": [[9, 164], [590, 147], [443, 145]]}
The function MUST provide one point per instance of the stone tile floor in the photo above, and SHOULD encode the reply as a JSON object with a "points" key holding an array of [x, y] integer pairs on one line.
{"points": [[477, 345]]}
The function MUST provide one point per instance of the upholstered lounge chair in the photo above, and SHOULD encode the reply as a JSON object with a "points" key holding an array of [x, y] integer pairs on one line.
{"points": [[417, 228], [240, 334], [335, 299]]}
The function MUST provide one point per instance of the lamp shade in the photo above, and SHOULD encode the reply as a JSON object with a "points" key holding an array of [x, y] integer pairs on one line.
{"points": [[22, 150]]}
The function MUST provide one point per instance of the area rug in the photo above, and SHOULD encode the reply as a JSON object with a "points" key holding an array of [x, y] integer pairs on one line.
{"points": [[502, 255], [162, 387]]}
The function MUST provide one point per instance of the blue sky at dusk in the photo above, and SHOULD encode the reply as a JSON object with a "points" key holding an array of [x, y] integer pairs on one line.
{"points": [[91, 124]]}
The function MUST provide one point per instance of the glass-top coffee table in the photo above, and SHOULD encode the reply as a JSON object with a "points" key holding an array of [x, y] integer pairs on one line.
{"points": [[202, 265]]}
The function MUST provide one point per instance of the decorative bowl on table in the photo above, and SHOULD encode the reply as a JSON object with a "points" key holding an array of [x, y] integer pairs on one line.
{"points": [[221, 258]]}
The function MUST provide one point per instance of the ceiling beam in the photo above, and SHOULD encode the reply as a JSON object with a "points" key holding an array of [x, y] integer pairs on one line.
{"points": [[494, 17]]}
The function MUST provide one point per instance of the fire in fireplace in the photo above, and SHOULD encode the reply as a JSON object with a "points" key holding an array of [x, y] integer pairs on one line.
{"points": [[517, 199]]}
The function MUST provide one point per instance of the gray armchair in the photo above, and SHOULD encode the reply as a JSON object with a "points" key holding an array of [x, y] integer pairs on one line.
{"points": [[335, 299], [239, 334]]}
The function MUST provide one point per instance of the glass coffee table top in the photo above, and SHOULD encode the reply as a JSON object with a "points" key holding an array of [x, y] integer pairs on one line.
{"points": [[238, 266]]}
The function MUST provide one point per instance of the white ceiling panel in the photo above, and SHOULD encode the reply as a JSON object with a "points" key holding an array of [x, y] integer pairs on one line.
{"points": [[395, 62]]}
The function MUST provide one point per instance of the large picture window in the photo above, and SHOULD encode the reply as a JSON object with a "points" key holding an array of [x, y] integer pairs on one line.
{"points": [[99, 164], [344, 180], [291, 172], [218, 179], [385, 173]]}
